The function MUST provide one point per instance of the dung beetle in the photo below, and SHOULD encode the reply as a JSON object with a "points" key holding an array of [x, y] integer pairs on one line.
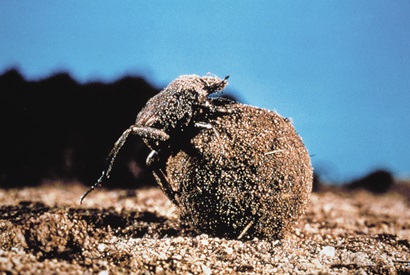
{"points": [[233, 170], [173, 110]]}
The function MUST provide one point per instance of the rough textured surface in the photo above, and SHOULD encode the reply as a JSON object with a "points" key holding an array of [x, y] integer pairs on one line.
{"points": [[45, 230], [247, 175]]}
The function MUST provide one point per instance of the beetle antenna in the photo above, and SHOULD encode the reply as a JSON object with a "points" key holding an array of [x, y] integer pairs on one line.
{"points": [[110, 162]]}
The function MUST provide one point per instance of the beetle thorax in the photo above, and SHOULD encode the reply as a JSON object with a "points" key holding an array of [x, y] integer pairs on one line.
{"points": [[175, 106]]}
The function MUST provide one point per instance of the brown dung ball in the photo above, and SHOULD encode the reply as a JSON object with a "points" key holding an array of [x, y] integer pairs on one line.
{"points": [[245, 173]]}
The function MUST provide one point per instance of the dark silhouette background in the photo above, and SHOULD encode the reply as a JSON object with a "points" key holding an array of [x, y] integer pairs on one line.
{"points": [[56, 128], [378, 181]]}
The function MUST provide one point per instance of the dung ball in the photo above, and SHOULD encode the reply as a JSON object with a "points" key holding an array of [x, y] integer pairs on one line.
{"points": [[246, 175]]}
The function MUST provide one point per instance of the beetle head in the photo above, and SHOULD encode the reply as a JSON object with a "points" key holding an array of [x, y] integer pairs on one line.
{"points": [[203, 86], [213, 84]]}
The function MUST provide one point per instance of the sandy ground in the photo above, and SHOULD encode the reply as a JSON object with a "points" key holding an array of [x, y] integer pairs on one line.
{"points": [[45, 230]]}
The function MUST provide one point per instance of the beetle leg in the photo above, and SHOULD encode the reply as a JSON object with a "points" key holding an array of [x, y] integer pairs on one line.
{"points": [[153, 156], [164, 184], [157, 169], [149, 133], [142, 131], [217, 105], [223, 110], [111, 158]]}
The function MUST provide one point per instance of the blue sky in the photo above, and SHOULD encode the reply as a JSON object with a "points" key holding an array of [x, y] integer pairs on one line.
{"points": [[339, 69]]}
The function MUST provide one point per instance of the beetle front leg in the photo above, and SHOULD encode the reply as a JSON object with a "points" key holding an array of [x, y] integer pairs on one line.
{"points": [[111, 158], [149, 133], [142, 131], [153, 134]]}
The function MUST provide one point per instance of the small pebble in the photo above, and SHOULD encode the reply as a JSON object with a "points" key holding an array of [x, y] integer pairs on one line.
{"points": [[328, 251]]}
